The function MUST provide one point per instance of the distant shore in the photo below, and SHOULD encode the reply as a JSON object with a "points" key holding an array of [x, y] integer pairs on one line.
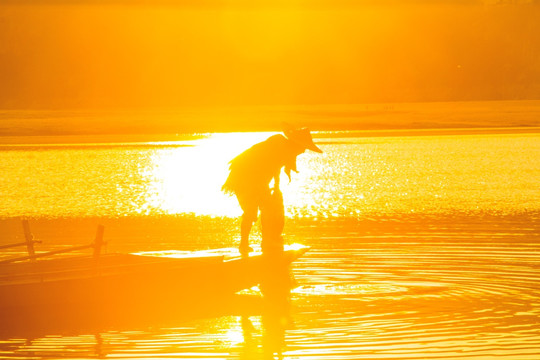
{"points": [[175, 140], [408, 119]]}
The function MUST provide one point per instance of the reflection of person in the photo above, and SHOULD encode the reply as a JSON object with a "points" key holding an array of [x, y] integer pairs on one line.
{"points": [[276, 285], [276, 316], [252, 171]]}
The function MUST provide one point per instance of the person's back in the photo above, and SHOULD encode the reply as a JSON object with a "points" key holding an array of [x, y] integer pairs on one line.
{"points": [[254, 169]]}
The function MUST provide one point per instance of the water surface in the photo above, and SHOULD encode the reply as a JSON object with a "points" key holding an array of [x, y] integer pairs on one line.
{"points": [[421, 246], [353, 177]]}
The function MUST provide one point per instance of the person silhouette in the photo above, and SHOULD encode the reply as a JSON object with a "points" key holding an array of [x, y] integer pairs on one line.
{"points": [[251, 173]]}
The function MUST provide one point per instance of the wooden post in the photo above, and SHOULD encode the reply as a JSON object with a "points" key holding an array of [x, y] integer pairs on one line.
{"points": [[29, 240], [98, 243]]}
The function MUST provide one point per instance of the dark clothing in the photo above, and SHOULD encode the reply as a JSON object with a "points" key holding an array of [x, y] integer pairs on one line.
{"points": [[252, 171], [254, 168]]}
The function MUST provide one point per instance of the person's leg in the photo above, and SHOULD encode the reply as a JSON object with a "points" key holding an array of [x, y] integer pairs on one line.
{"points": [[250, 207]]}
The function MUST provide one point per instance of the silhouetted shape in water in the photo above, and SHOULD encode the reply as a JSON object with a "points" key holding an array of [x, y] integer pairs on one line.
{"points": [[252, 171], [276, 318], [276, 280], [276, 284]]}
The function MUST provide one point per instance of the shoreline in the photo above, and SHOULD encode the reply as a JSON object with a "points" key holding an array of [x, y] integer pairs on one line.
{"points": [[181, 124], [176, 140]]}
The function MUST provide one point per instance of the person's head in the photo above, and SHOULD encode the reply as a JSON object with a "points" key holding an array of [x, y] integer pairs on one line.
{"points": [[301, 139]]}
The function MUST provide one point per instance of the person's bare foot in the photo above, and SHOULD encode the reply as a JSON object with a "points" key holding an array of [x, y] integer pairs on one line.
{"points": [[245, 250]]}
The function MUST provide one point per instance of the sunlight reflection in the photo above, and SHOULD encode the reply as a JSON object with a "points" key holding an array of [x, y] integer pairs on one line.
{"points": [[367, 176], [221, 252], [189, 179], [235, 335], [350, 289], [230, 332]]}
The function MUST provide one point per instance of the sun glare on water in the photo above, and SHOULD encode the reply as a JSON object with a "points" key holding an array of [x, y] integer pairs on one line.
{"points": [[188, 179]]}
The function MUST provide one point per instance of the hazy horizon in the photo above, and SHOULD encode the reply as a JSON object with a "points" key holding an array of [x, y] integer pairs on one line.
{"points": [[219, 54], [169, 124]]}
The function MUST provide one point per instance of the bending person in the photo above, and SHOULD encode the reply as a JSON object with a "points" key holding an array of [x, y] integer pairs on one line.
{"points": [[252, 171]]}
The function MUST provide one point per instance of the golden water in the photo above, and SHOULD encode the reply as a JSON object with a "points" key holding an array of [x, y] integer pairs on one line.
{"points": [[354, 177], [421, 247]]}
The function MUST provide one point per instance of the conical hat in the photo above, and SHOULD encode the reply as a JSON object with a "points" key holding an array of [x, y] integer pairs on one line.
{"points": [[302, 137]]}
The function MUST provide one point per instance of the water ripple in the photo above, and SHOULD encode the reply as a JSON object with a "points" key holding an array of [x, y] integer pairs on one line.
{"points": [[466, 300], [372, 296]]}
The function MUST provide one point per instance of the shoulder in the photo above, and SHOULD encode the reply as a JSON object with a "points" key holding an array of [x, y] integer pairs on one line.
{"points": [[264, 148], [273, 143], [277, 140]]}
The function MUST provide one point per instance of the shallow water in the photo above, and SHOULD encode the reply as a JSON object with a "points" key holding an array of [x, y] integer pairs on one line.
{"points": [[427, 294], [353, 177], [377, 289], [421, 247]]}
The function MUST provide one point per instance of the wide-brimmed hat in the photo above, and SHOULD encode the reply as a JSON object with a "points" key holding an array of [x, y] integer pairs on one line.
{"points": [[302, 137]]}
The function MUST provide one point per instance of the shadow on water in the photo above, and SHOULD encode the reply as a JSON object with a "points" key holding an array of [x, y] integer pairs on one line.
{"points": [[43, 320], [263, 317]]}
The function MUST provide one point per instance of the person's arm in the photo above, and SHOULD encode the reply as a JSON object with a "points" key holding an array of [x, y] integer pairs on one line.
{"points": [[290, 165]]}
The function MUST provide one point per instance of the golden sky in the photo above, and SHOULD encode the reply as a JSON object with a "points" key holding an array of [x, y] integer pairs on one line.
{"points": [[177, 54]]}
